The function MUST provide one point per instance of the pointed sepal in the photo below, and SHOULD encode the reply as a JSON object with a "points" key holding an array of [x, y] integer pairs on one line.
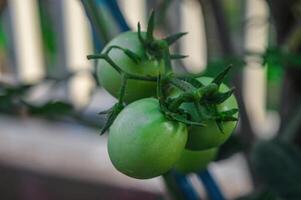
{"points": [[221, 76], [173, 38], [116, 109], [140, 37], [150, 27], [134, 57], [219, 97]]}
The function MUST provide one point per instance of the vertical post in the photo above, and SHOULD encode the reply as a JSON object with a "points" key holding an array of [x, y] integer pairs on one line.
{"points": [[27, 40], [77, 44]]}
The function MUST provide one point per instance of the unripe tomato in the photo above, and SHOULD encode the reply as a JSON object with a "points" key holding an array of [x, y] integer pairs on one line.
{"points": [[195, 161], [143, 143], [200, 138], [110, 79]]}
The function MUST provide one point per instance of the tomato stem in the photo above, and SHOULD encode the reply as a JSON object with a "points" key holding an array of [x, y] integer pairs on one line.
{"points": [[119, 70], [181, 84], [193, 96], [122, 89], [166, 58]]}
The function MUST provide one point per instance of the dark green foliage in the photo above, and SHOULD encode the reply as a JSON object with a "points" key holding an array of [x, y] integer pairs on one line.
{"points": [[278, 164], [51, 109], [10, 97]]}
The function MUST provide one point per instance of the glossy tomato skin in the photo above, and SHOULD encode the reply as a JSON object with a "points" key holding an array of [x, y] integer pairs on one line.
{"points": [[110, 79], [195, 161], [143, 143], [201, 138]]}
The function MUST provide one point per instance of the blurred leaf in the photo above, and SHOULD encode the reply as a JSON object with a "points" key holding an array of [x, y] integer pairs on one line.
{"points": [[5, 103], [279, 164], [3, 36], [48, 32], [10, 97], [51, 109], [17, 90]]}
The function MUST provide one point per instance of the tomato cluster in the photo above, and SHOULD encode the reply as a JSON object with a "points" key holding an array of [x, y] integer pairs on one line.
{"points": [[161, 121]]}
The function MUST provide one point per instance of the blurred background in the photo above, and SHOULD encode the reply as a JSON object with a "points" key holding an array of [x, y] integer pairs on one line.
{"points": [[50, 146]]}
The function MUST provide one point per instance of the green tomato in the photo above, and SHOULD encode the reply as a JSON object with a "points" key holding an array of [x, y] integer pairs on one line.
{"points": [[143, 143], [201, 138], [110, 79], [195, 161]]}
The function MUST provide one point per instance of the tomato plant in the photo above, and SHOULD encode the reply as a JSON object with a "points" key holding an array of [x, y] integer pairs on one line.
{"points": [[148, 136], [138, 58], [146, 65], [195, 161], [143, 143], [210, 135]]}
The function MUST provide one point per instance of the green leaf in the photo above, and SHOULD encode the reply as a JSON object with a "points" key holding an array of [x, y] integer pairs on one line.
{"points": [[173, 38], [278, 164]]}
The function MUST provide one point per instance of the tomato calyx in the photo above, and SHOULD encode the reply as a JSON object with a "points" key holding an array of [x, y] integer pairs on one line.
{"points": [[158, 48], [205, 100]]}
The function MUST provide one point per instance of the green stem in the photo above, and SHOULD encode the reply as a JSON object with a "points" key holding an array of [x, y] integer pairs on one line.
{"points": [[120, 71], [182, 85], [193, 96], [122, 89], [113, 47], [184, 97], [166, 58], [200, 111]]}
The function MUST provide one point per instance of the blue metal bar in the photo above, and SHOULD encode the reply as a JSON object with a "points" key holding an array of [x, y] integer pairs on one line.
{"points": [[117, 14], [185, 186], [210, 185]]}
